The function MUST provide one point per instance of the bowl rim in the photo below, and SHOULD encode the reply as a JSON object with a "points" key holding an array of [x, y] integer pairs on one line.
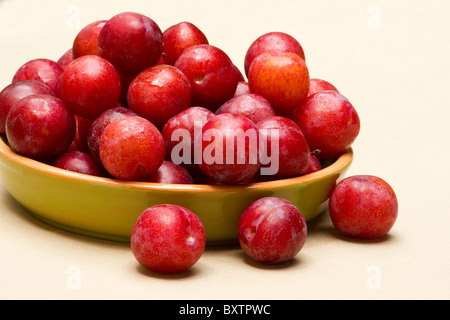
{"points": [[342, 161]]}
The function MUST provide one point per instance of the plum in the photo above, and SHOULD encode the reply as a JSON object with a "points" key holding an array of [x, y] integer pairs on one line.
{"points": [[272, 42], [159, 93], [44, 70], [329, 122], [86, 41], [14, 92], [131, 148], [281, 78], [168, 238], [317, 85], [211, 73], [363, 206], [314, 165], [171, 173], [99, 125], [179, 37], [272, 230], [250, 105], [293, 150], [180, 133], [66, 58], [230, 149], [131, 41], [40, 127], [89, 86], [78, 161]]}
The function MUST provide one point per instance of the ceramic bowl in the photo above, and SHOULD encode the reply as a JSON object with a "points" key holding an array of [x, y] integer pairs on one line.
{"points": [[107, 208]]}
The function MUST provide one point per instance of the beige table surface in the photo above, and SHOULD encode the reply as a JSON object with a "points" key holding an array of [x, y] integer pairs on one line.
{"points": [[390, 58]]}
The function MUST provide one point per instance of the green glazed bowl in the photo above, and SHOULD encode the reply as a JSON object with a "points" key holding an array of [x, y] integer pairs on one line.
{"points": [[107, 208]]}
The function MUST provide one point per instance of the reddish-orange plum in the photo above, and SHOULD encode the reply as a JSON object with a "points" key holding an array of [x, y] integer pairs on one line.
{"points": [[89, 86], [329, 122], [86, 41], [272, 230], [171, 173], [281, 78], [131, 148], [14, 92], [230, 149], [179, 37], [250, 105], [131, 41], [44, 70], [99, 125], [211, 73], [78, 161], [363, 206], [292, 150], [158, 93], [40, 127], [272, 42], [168, 239], [317, 85]]}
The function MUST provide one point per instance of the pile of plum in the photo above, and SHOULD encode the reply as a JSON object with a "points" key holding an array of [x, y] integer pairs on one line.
{"points": [[131, 102], [169, 81]]}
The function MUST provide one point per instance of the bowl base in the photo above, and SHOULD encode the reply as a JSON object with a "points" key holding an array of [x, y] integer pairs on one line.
{"points": [[81, 232], [115, 238]]}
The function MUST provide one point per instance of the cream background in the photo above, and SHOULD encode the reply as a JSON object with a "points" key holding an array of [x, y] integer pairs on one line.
{"points": [[390, 58]]}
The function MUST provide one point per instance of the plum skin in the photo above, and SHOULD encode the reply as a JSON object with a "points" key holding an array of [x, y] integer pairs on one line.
{"points": [[363, 206], [131, 148], [329, 122], [159, 93], [44, 70], [272, 230], [100, 123], [65, 59], [281, 78], [131, 41], [187, 120], [167, 238], [211, 73], [171, 173], [86, 41], [318, 85], [250, 105], [14, 92], [294, 153], [89, 86], [40, 127], [272, 42], [314, 165], [178, 38], [78, 161], [221, 165], [190, 121]]}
